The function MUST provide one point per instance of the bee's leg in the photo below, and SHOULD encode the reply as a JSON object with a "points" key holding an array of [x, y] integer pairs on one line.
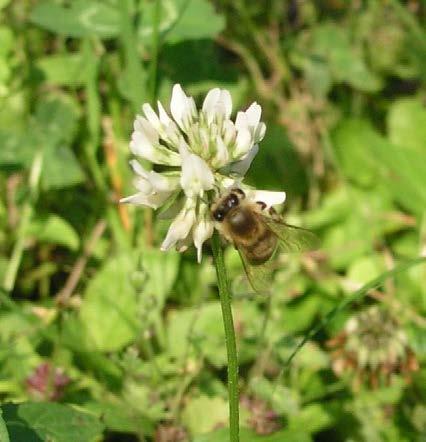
{"points": [[273, 213], [240, 193], [261, 205]]}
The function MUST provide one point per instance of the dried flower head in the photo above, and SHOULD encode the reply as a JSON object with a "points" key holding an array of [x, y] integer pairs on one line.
{"points": [[372, 346], [47, 382], [202, 152]]}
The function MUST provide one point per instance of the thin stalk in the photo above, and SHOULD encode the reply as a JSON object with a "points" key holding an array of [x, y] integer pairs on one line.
{"points": [[155, 44], [27, 212], [231, 347]]}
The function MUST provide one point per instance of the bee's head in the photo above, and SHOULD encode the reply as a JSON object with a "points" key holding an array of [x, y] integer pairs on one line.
{"points": [[225, 204]]}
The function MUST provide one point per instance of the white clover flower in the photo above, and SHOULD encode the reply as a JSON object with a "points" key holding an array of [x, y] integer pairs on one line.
{"points": [[201, 153]]}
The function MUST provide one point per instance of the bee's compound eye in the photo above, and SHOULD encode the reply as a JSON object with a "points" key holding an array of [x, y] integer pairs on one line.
{"points": [[233, 200], [218, 215]]}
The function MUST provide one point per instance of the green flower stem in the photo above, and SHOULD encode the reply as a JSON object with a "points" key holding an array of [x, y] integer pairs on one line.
{"points": [[231, 347]]}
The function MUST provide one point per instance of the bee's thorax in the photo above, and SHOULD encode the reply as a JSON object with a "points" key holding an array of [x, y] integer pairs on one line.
{"points": [[242, 222]]}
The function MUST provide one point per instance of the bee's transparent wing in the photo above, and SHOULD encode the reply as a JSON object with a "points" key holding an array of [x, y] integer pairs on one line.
{"points": [[259, 275], [292, 239]]}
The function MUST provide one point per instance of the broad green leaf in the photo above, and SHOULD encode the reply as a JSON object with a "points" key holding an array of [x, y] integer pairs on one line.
{"points": [[201, 329], [118, 417], [196, 418], [312, 418], [64, 69], [60, 168], [109, 309], [56, 116], [161, 270], [4, 3], [346, 64], [17, 148], [365, 269], [406, 123], [181, 20], [328, 51], [282, 399], [7, 40], [36, 422], [222, 435], [366, 157], [246, 435], [4, 435], [55, 230], [353, 143], [198, 20], [81, 18]]}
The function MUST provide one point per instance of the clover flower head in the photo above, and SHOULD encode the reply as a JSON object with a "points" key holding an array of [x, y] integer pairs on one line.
{"points": [[200, 153]]}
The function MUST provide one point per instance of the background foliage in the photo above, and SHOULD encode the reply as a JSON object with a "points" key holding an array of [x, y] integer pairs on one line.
{"points": [[103, 337]]}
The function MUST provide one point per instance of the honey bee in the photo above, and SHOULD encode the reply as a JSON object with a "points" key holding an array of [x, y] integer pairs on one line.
{"points": [[257, 232]]}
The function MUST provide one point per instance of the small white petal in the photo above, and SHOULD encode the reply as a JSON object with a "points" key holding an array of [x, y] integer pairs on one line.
{"points": [[203, 230], [270, 198], [210, 101], [222, 154], [158, 182], [241, 121], [153, 200], [152, 116], [180, 227], [217, 104], [243, 143], [182, 107], [259, 132], [229, 132], [253, 114], [156, 153], [196, 175], [241, 167]]}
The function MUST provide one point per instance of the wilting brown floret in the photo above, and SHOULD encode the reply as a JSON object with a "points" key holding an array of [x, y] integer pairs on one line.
{"points": [[262, 419], [170, 433], [47, 382], [371, 348]]}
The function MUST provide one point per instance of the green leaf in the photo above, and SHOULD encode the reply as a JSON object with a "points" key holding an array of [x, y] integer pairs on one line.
{"points": [[60, 168], [37, 422], [197, 420], [109, 309], [17, 148], [161, 270], [406, 123], [222, 435], [57, 117], [118, 417], [81, 18], [327, 51], [365, 269], [55, 230], [64, 69], [312, 418], [206, 336], [353, 143], [365, 156], [198, 20], [7, 40], [4, 435]]}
